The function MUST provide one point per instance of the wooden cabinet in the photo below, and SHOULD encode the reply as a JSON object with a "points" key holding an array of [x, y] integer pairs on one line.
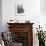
{"points": [[22, 33]]}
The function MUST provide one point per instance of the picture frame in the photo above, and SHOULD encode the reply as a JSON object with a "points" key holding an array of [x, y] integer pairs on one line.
{"points": [[19, 9]]}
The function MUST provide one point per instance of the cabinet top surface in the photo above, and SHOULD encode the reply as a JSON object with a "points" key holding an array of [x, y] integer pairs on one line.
{"points": [[19, 23]]}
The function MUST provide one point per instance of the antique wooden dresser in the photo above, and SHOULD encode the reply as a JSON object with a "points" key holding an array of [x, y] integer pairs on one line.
{"points": [[22, 33]]}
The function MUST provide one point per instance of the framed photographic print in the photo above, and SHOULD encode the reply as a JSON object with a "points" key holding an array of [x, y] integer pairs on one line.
{"points": [[19, 9]]}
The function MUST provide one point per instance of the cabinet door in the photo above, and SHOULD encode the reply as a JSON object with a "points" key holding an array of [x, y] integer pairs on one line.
{"points": [[20, 37]]}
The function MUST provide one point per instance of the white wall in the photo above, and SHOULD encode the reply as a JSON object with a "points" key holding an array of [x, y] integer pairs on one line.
{"points": [[30, 6], [0, 15], [43, 6], [32, 12], [43, 14]]}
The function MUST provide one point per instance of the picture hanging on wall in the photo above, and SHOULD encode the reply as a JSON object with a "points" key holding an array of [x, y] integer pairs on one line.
{"points": [[19, 10]]}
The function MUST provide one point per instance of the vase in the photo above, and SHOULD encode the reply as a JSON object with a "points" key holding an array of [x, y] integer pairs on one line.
{"points": [[41, 43]]}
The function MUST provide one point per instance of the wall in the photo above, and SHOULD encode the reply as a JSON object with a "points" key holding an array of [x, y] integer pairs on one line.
{"points": [[43, 6], [43, 14], [32, 12], [0, 15], [8, 10]]}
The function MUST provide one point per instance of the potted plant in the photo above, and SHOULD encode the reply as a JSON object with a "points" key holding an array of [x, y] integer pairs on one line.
{"points": [[41, 36]]}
